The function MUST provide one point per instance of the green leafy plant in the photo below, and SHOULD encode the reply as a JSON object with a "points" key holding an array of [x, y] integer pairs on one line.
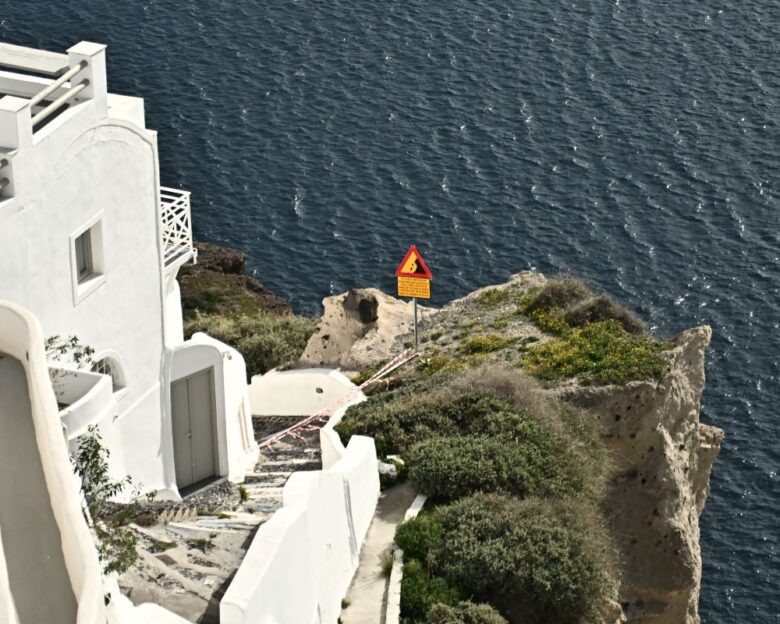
{"points": [[599, 353], [464, 613], [266, 341], [550, 561], [493, 297], [528, 461], [388, 560], [484, 343], [243, 493], [108, 520], [420, 591], [419, 536]]}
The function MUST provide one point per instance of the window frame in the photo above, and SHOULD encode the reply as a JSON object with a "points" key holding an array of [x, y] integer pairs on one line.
{"points": [[86, 244]]}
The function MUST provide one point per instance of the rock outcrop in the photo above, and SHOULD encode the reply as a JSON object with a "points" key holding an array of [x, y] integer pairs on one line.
{"points": [[217, 285], [360, 329], [663, 456], [662, 453]]}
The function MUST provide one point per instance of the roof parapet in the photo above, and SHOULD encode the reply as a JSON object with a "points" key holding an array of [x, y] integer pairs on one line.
{"points": [[27, 101]]}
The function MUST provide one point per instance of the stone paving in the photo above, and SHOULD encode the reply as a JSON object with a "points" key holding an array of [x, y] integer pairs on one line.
{"points": [[189, 554]]}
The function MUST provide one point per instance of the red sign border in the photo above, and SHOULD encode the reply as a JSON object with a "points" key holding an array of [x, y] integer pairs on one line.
{"points": [[426, 274]]}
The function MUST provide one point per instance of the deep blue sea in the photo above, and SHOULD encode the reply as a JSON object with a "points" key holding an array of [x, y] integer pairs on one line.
{"points": [[633, 142]]}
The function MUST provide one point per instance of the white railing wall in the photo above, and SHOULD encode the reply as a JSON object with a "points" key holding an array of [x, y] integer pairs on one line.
{"points": [[302, 560], [176, 218]]}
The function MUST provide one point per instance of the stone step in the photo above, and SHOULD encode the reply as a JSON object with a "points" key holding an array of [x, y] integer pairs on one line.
{"points": [[259, 479], [268, 507]]}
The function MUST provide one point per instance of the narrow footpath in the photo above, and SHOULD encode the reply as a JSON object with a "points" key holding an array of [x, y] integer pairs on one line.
{"points": [[367, 596]]}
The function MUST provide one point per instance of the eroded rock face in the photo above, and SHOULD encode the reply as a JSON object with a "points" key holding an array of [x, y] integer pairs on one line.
{"points": [[217, 285], [663, 456], [360, 329]]}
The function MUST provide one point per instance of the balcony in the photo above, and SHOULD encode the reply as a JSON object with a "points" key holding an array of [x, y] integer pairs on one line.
{"points": [[83, 397], [176, 228]]}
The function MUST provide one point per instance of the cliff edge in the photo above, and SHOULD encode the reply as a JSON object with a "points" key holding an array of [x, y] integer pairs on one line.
{"points": [[661, 453], [663, 456]]}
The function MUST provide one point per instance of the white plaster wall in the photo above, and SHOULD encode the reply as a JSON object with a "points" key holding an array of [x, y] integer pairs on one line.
{"points": [[330, 442], [174, 322], [85, 164], [21, 337], [7, 608], [297, 392], [235, 437], [301, 562]]}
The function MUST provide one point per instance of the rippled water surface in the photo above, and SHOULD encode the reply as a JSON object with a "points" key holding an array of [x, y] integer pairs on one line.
{"points": [[632, 142]]}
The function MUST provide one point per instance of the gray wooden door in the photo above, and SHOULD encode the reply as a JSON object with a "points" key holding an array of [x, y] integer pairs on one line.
{"points": [[194, 428]]}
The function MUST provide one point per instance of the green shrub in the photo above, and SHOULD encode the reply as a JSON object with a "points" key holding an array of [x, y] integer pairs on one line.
{"points": [[418, 536], [547, 561], [439, 363], [420, 591], [559, 293], [600, 353], [396, 424], [521, 457], [484, 343], [465, 613], [552, 322], [602, 308], [493, 297], [266, 341]]}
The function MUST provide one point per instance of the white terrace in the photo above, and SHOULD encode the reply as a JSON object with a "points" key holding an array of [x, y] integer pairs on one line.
{"points": [[41, 90]]}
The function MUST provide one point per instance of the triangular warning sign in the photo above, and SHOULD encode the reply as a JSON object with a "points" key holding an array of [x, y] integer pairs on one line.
{"points": [[413, 265]]}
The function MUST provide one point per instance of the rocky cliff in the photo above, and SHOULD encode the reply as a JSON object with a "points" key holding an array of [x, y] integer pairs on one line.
{"points": [[663, 456], [662, 453]]}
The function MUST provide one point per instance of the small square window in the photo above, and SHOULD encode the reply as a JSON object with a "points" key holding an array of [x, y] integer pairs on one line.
{"points": [[84, 264], [87, 262]]}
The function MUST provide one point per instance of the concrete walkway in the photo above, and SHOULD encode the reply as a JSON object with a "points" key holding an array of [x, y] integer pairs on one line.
{"points": [[39, 580], [367, 595]]}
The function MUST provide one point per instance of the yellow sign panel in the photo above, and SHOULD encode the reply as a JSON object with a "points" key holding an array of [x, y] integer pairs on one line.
{"points": [[412, 264], [417, 287]]}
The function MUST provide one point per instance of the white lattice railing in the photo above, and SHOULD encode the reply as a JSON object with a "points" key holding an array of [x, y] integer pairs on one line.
{"points": [[176, 226]]}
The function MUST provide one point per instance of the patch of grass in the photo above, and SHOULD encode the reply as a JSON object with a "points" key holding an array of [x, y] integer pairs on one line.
{"points": [[484, 343], [243, 493], [599, 353], [203, 544], [602, 308], [224, 516], [558, 293], [500, 323], [266, 341], [159, 546], [493, 297], [388, 560], [551, 322], [436, 335], [439, 363]]}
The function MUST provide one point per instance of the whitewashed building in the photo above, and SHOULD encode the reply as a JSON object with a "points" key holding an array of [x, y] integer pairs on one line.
{"points": [[91, 245]]}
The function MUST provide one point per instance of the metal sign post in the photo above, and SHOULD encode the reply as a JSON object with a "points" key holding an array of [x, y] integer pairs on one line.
{"points": [[416, 341], [414, 280]]}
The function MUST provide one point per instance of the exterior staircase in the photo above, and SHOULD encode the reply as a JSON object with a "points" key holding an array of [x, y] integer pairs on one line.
{"points": [[189, 551]]}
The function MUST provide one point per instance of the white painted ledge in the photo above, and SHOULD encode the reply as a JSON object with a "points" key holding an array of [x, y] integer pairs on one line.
{"points": [[393, 613]]}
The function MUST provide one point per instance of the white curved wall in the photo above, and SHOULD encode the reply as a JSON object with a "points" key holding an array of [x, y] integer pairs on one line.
{"points": [[301, 561], [236, 445], [297, 392], [21, 338]]}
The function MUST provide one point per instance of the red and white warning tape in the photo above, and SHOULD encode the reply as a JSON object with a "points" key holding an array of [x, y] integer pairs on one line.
{"points": [[308, 423]]}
